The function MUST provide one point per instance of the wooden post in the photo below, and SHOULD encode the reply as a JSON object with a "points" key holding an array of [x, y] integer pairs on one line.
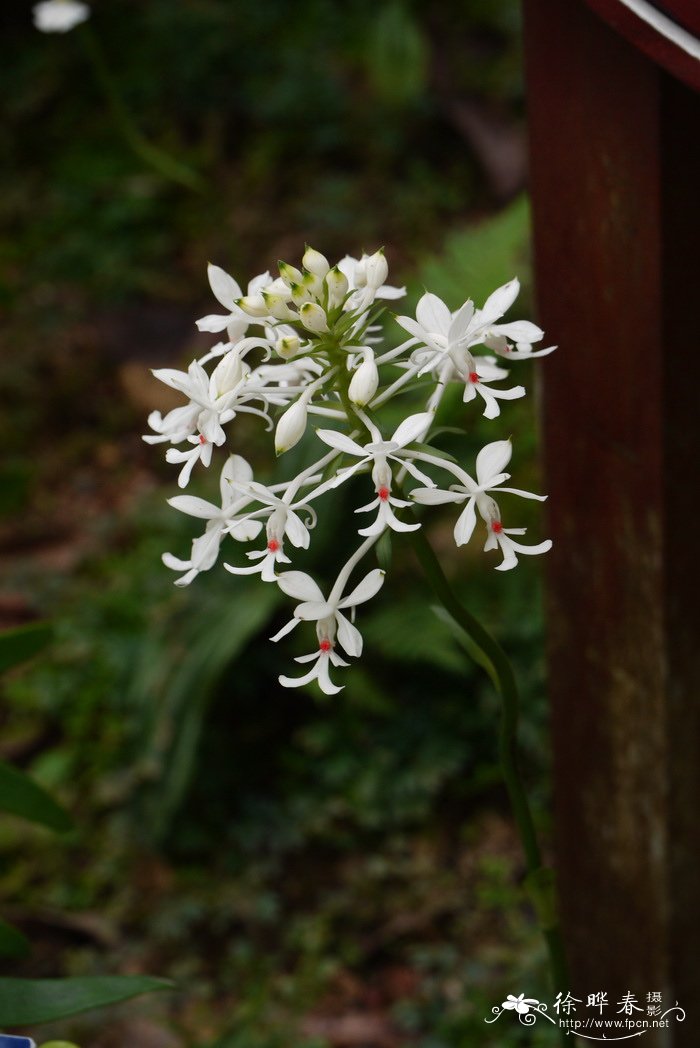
{"points": [[615, 178]]}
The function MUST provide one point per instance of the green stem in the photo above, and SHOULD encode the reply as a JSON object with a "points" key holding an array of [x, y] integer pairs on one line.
{"points": [[162, 162], [496, 663]]}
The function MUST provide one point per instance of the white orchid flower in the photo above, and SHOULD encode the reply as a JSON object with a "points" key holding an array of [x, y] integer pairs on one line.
{"points": [[490, 463], [331, 624], [220, 520], [484, 329], [227, 291], [214, 400], [498, 536], [379, 453], [447, 337], [282, 520], [355, 272]]}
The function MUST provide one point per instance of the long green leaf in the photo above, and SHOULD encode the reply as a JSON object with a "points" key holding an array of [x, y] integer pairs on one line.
{"points": [[29, 1001], [192, 685], [20, 644], [21, 796], [12, 942]]}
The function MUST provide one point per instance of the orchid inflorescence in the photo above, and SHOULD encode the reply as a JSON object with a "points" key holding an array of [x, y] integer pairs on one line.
{"points": [[317, 353]]}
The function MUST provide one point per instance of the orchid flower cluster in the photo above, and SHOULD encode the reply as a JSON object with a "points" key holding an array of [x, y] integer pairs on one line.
{"points": [[305, 347]]}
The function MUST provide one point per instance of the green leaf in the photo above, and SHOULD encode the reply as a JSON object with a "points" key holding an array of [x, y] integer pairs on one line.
{"points": [[383, 550], [191, 686], [12, 942], [397, 56], [540, 886], [475, 261], [29, 1001], [473, 650], [20, 644], [21, 796]]}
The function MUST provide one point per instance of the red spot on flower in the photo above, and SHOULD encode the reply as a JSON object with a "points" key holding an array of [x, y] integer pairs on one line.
{"points": [[273, 545], [202, 439], [325, 645], [383, 494], [496, 526], [473, 377]]}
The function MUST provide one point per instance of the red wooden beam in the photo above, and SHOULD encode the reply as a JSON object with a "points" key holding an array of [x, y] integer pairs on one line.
{"points": [[615, 179], [668, 32]]}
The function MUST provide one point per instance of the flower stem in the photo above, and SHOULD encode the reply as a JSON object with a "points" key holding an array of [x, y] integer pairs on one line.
{"points": [[493, 659], [162, 162]]}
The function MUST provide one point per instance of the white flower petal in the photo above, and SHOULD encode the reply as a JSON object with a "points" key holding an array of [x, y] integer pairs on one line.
{"points": [[313, 610], [521, 331], [296, 530], [340, 441], [349, 637], [245, 530], [498, 302], [464, 528], [365, 590], [194, 507], [412, 428], [224, 287], [213, 323], [287, 628], [436, 496], [174, 563], [492, 459], [459, 324], [433, 314], [299, 585]]}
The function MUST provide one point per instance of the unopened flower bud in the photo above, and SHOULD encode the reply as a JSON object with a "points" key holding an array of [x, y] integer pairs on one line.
{"points": [[313, 284], [289, 346], [300, 294], [290, 274], [277, 306], [253, 305], [376, 269], [337, 284], [228, 373], [364, 382], [315, 262], [291, 426], [313, 318], [279, 287]]}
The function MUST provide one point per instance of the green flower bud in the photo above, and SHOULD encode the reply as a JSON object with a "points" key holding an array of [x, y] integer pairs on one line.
{"points": [[337, 284], [315, 262], [313, 318], [288, 347], [290, 274]]}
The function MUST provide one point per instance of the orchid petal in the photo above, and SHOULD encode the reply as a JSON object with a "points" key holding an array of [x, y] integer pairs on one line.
{"points": [[225, 289], [499, 301], [349, 637], [365, 590], [433, 314], [194, 507], [299, 585], [464, 528], [492, 459], [340, 441], [412, 428]]}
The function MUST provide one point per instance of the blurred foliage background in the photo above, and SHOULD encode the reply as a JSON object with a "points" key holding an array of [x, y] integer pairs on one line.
{"points": [[312, 873]]}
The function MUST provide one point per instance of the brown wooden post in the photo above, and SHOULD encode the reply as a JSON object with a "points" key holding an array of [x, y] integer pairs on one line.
{"points": [[615, 178]]}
